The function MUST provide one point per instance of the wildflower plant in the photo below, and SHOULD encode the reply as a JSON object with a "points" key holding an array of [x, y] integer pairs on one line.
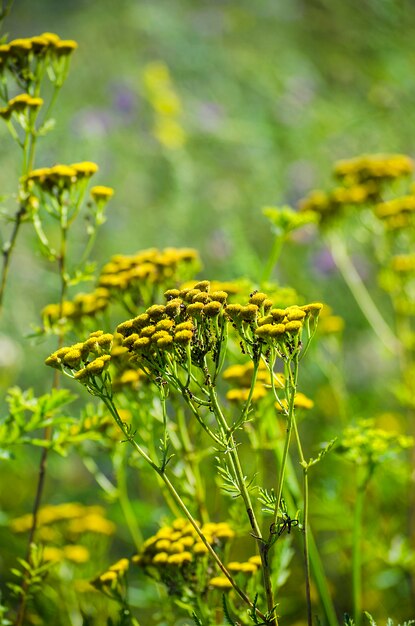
{"points": [[181, 347], [197, 394]]}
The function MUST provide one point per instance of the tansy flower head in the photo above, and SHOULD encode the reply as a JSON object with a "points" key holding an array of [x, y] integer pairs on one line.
{"points": [[101, 193]]}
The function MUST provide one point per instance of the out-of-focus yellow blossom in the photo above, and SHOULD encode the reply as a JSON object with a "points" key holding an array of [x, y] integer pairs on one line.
{"points": [[220, 582], [364, 443], [169, 133], [166, 105]]}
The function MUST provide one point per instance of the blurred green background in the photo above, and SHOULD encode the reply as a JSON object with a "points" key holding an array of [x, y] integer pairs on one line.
{"points": [[271, 93]]}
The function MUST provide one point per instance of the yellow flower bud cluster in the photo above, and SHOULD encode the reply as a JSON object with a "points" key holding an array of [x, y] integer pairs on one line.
{"points": [[53, 514], [282, 324], [362, 180], [327, 204], [241, 377], [175, 553], [83, 305], [186, 315], [63, 528], [22, 57], [403, 264], [60, 176], [364, 443], [86, 360], [19, 104], [300, 402], [189, 325], [134, 273], [373, 167], [38, 46], [75, 553], [397, 213], [166, 105], [237, 569], [114, 577]]}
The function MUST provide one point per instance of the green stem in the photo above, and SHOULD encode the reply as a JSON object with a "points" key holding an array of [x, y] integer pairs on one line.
{"points": [[361, 294], [293, 496], [304, 466], [291, 382], [272, 259], [357, 552], [239, 476], [107, 399], [192, 467], [124, 500]]}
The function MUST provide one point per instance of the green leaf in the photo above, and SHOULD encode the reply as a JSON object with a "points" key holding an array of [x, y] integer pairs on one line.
{"points": [[46, 127], [286, 220]]}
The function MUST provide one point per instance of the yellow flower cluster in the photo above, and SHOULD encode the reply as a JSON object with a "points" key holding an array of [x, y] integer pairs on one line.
{"points": [[403, 264], [29, 59], [83, 305], [84, 360], [52, 514], [362, 180], [300, 402], [21, 53], [373, 167], [329, 203], [169, 326], [365, 443], [147, 267], [113, 577], [38, 45], [280, 324], [179, 544], [166, 105], [241, 376], [19, 104], [189, 323], [77, 519], [62, 176], [397, 213], [72, 552]]}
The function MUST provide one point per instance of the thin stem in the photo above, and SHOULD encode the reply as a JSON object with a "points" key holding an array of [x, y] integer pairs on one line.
{"points": [[192, 467], [8, 249], [304, 466], [272, 259], [291, 387], [124, 500], [357, 552], [107, 399], [240, 479], [361, 294], [293, 495]]}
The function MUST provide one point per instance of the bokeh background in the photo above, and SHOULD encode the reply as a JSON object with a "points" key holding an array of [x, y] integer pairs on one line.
{"points": [[268, 95]]}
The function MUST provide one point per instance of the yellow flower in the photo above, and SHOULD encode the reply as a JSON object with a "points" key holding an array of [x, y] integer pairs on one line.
{"points": [[64, 47], [120, 566], [50, 553], [85, 168], [101, 193], [169, 133], [51, 37], [220, 582], [20, 45], [76, 553]]}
